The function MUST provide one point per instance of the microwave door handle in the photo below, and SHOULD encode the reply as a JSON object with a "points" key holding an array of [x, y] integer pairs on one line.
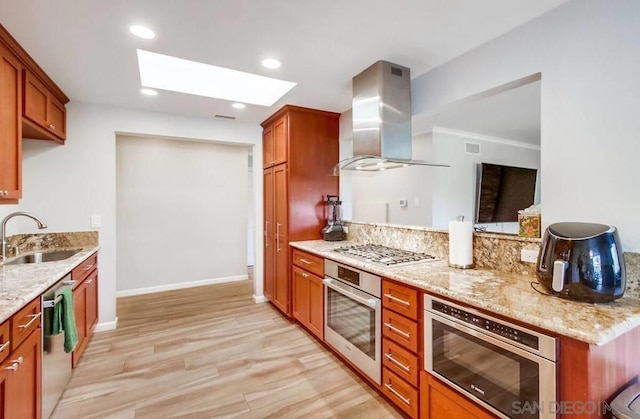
{"points": [[371, 302], [559, 270]]}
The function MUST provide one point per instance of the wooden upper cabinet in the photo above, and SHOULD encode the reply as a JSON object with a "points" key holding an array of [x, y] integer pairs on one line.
{"points": [[274, 142], [10, 128], [44, 115]]}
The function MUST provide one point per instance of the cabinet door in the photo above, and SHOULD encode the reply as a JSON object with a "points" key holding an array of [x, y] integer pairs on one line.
{"points": [[280, 140], [57, 121], [300, 295], [36, 99], [91, 302], [269, 244], [10, 127], [267, 147], [316, 306], [22, 385], [282, 246], [80, 313]]}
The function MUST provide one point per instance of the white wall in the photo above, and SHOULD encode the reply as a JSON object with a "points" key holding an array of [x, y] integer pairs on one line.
{"points": [[454, 189], [184, 205], [67, 184], [251, 222], [371, 191], [588, 54]]}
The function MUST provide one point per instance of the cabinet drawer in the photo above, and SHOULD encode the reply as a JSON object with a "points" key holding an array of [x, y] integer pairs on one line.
{"points": [[402, 394], [5, 340], [400, 330], [313, 264], [401, 299], [400, 361], [25, 321], [81, 271]]}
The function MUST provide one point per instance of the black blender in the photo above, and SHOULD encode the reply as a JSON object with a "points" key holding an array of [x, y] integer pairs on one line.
{"points": [[333, 231]]}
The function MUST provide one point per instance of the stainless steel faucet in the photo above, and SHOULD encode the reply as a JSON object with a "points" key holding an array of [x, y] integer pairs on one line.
{"points": [[3, 228]]}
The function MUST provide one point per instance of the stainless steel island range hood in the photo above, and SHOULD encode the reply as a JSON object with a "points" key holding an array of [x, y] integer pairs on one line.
{"points": [[381, 120]]}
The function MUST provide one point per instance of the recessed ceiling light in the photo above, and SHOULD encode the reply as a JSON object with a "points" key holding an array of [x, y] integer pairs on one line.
{"points": [[142, 32], [148, 92], [271, 63], [239, 105], [179, 75]]}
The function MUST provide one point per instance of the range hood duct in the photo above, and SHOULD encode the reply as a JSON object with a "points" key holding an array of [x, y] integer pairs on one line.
{"points": [[381, 111]]}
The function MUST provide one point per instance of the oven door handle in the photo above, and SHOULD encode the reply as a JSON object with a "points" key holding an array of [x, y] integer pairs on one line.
{"points": [[371, 302]]}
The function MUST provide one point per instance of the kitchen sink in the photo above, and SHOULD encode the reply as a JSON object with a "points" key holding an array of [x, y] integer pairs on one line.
{"points": [[39, 257]]}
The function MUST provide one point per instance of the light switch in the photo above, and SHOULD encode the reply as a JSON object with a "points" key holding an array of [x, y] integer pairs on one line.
{"points": [[529, 255], [416, 202], [96, 221]]}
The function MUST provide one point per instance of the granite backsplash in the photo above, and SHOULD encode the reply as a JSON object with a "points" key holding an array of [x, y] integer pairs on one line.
{"points": [[25, 243], [499, 252]]}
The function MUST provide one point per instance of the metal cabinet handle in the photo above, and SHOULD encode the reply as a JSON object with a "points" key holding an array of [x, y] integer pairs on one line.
{"points": [[266, 236], [306, 262], [398, 331], [18, 361], [89, 281], [278, 236], [5, 345], [304, 275], [398, 300], [34, 317], [398, 395], [12, 367], [398, 363], [88, 267]]}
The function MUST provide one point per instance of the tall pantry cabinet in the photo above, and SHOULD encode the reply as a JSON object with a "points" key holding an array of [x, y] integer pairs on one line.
{"points": [[300, 146]]}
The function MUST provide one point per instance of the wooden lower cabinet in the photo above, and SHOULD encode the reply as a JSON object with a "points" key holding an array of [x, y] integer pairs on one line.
{"points": [[85, 303], [437, 400], [308, 301], [20, 380]]}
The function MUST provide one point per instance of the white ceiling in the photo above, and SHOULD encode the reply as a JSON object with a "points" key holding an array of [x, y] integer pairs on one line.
{"points": [[84, 45]]}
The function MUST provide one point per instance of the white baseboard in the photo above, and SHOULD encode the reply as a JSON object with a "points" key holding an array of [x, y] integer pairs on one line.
{"points": [[181, 285], [260, 299], [103, 326]]}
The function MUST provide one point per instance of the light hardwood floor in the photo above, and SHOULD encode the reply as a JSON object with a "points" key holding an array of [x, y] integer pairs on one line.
{"points": [[210, 352]]}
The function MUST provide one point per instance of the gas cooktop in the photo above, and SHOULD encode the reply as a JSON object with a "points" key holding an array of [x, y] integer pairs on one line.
{"points": [[383, 255]]}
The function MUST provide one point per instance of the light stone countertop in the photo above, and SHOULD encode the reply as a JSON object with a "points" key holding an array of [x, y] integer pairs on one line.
{"points": [[20, 284], [507, 294]]}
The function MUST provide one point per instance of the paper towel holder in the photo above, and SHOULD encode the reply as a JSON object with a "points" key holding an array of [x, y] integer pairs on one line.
{"points": [[469, 265]]}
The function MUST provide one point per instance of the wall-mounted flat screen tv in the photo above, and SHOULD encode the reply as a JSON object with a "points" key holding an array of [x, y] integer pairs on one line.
{"points": [[502, 191]]}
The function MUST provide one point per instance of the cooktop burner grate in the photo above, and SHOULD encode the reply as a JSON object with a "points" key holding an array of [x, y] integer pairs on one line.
{"points": [[383, 255]]}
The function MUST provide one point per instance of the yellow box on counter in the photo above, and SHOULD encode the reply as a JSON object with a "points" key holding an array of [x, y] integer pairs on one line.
{"points": [[529, 225]]}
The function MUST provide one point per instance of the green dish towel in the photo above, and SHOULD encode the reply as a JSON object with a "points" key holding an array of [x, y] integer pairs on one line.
{"points": [[64, 320]]}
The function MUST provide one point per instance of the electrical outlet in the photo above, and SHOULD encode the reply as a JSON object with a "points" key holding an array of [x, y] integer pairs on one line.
{"points": [[402, 203], [345, 229], [416, 202], [529, 255]]}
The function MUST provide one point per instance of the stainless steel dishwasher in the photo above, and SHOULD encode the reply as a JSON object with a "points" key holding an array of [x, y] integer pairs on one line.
{"points": [[56, 363]]}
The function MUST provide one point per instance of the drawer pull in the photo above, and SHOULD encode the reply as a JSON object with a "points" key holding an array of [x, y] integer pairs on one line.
{"points": [[398, 363], [5, 345], [34, 317], [398, 300], [304, 275], [398, 395], [398, 331], [87, 268], [89, 281], [306, 262], [12, 367], [18, 361]]}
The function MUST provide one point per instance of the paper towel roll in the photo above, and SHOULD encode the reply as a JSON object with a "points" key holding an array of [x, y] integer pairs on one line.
{"points": [[461, 244]]}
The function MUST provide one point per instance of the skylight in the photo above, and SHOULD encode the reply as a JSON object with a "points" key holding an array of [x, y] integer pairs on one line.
{"points": [[179, 75]]}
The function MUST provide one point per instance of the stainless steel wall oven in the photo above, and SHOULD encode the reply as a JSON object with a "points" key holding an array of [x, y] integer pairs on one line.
{"points": [[504, 367], [353, 316]]}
